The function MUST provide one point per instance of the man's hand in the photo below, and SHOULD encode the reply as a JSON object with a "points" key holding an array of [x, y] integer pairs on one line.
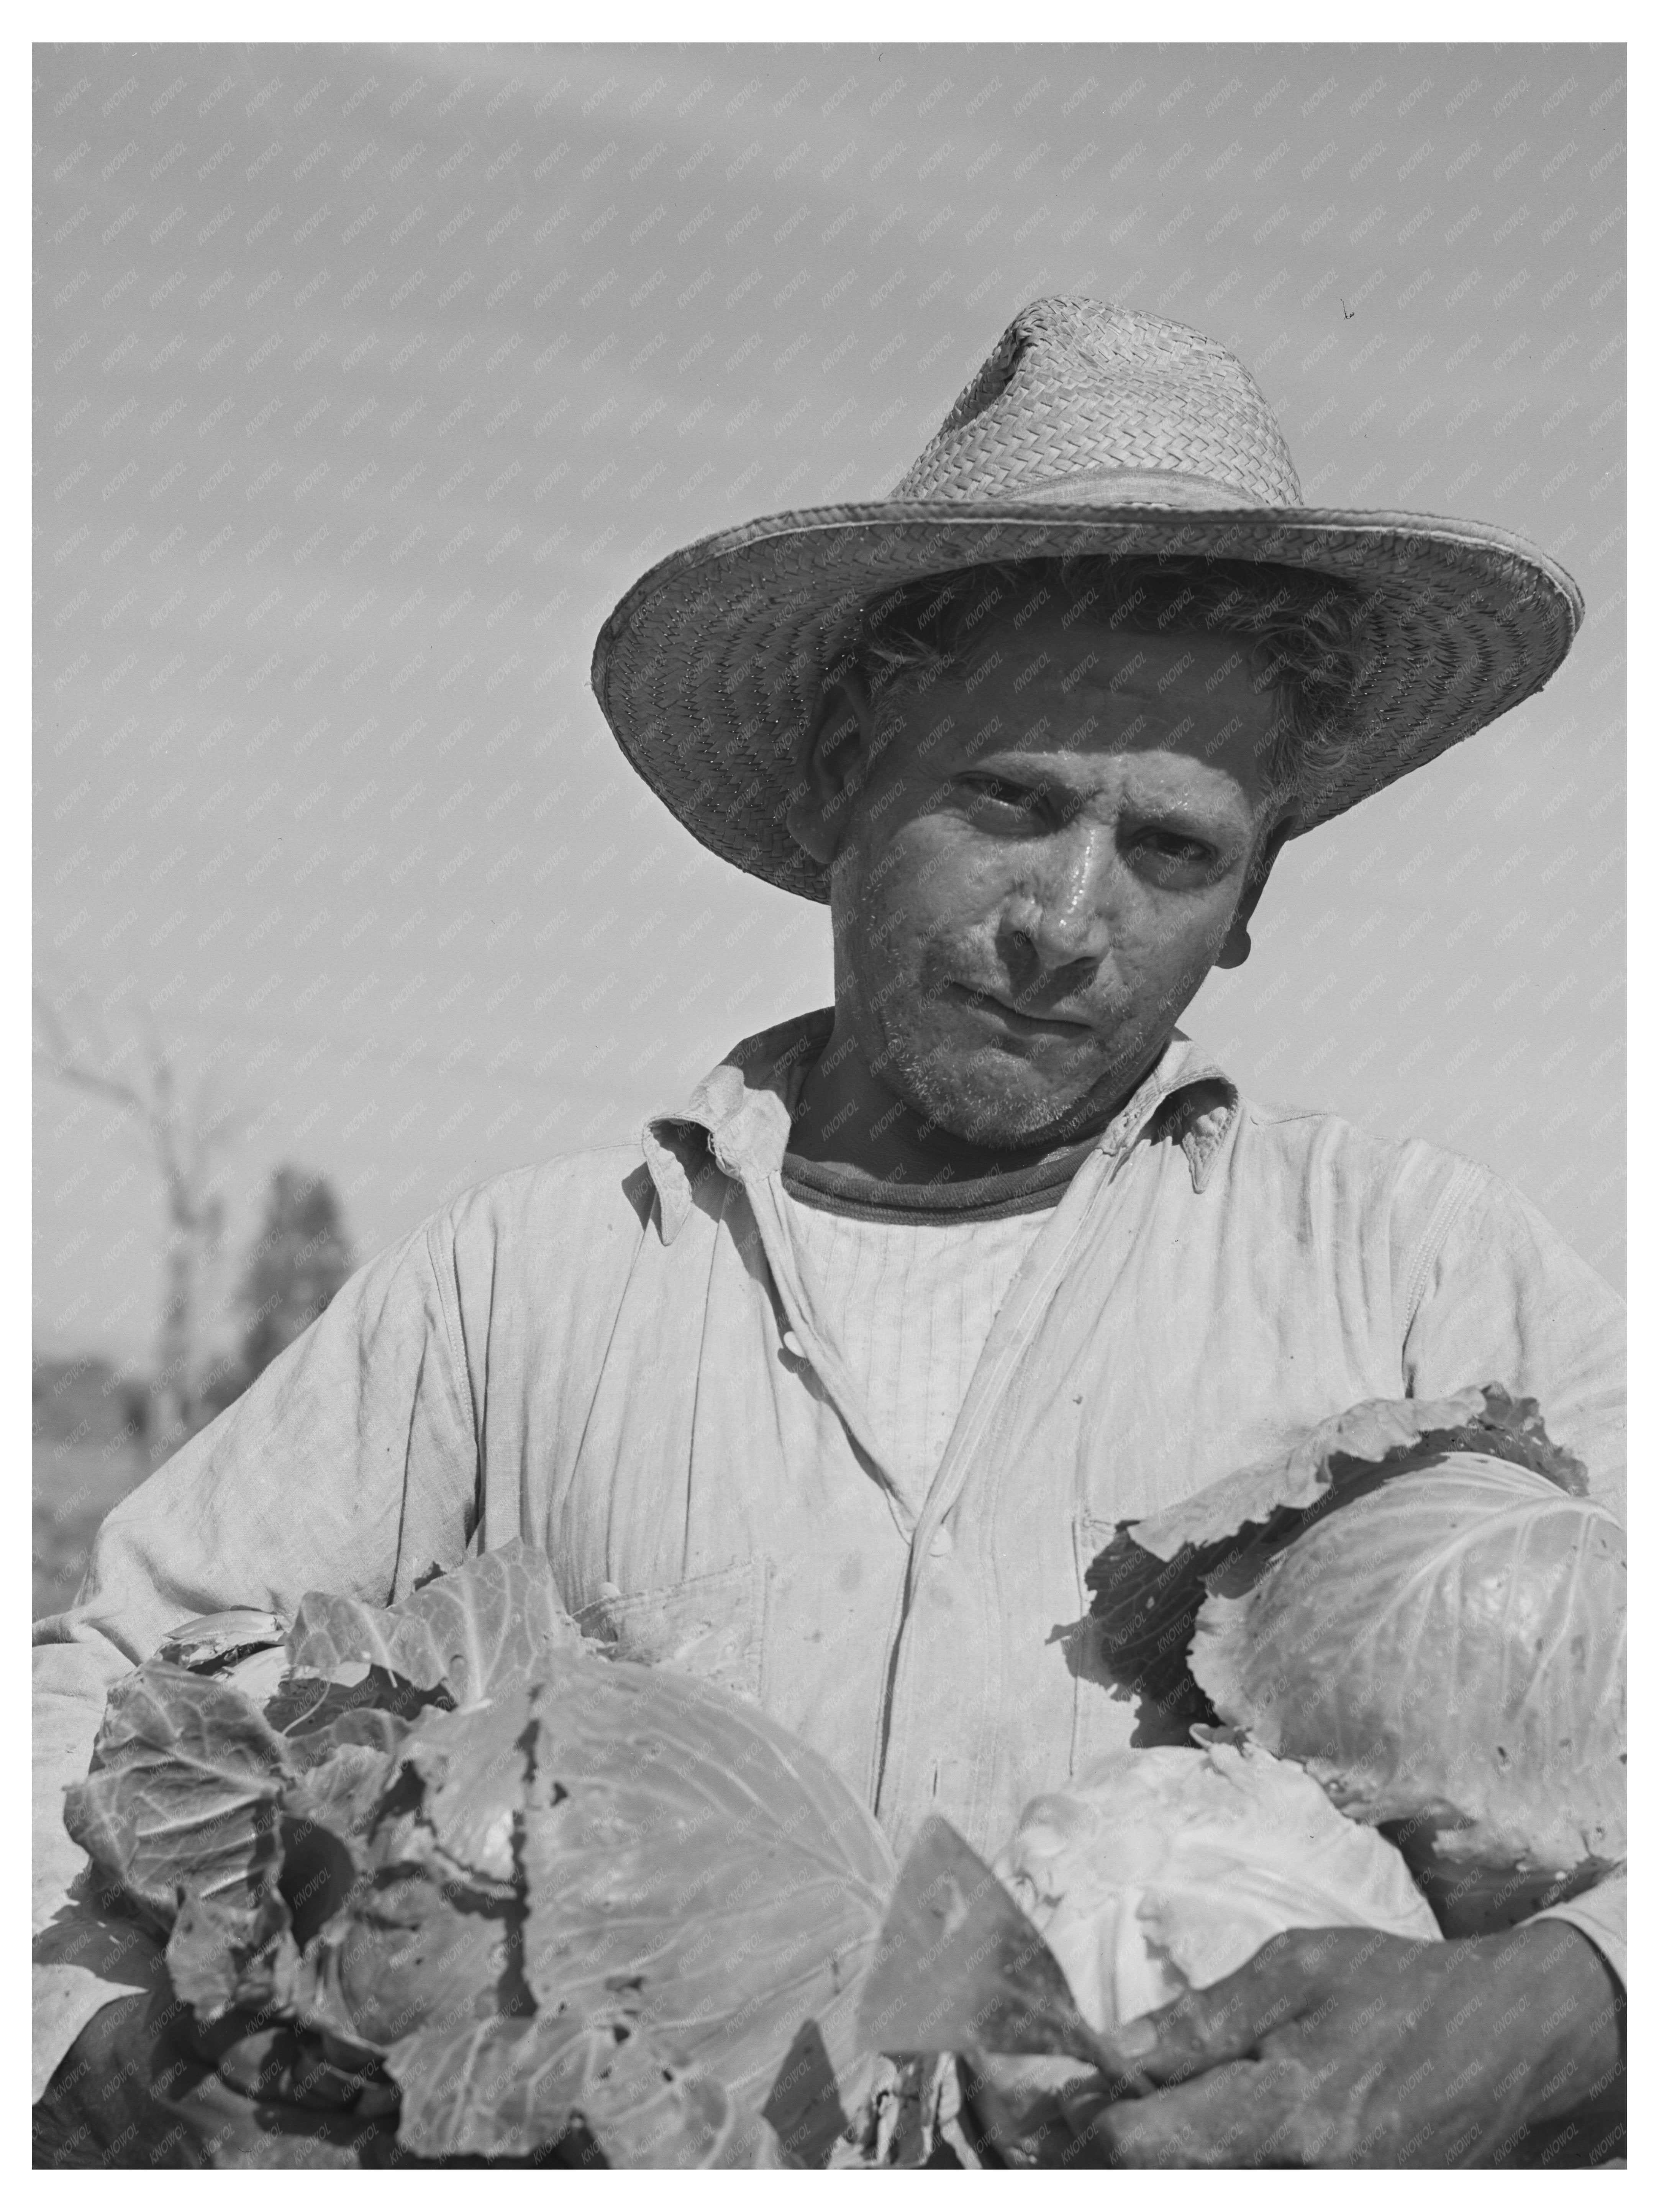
{"points": [[143, 2085], [1339, 2047]]}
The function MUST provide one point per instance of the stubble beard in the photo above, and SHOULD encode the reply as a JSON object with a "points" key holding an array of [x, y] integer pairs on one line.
{"points": [[960, 1088]]}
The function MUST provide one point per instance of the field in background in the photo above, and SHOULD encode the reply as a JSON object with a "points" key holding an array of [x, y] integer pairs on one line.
{"points": [[75, 1486]]}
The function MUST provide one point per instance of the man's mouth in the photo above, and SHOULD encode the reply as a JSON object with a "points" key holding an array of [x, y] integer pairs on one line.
{"points": [[1021, 1025]]}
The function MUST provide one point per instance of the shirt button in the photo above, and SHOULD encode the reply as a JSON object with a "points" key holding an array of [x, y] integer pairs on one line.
{"points": [[792, 1345], [943, 1545]]}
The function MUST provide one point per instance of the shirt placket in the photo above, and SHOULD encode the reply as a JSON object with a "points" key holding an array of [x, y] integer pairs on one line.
{"points": [[948, 1626], [941, 1572], [748, 1146], [801, 1337], [945, 1673]]}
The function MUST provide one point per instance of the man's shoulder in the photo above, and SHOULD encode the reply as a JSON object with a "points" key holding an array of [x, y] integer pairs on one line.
{"points": [[605, 1192], [1314, 1142], [1301, 1123]]}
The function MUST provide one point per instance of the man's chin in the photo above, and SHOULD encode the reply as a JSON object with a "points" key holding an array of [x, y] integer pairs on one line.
{"points": [[991, 1107]]}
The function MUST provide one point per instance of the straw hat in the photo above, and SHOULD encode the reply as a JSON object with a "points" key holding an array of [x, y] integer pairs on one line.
{"points": [[1091, 428]]}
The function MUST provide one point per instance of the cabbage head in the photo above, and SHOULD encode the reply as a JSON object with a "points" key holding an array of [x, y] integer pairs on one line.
{"points": [[1422, 1607], [1163, 1870], [1448, 1652], [536, 1889]]}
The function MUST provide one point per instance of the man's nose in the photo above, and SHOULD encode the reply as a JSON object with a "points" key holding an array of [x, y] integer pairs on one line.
{"points": [[1064, 914]]}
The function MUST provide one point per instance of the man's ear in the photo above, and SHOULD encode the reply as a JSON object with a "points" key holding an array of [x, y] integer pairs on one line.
{"points": [[837, 756], [1235, 951]]}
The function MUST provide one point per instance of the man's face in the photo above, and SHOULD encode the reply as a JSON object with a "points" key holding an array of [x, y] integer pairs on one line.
{"points": [[1037, 860]]}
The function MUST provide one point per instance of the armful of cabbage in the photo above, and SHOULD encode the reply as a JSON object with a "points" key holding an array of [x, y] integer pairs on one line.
{"points": [[541, 1895], [1398, 1651]]}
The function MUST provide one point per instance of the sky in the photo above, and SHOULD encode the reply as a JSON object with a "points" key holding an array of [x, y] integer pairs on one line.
{"points": [[368, 379]]}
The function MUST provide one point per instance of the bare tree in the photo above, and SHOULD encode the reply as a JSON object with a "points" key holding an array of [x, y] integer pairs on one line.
{"points": [[186, 1135]]}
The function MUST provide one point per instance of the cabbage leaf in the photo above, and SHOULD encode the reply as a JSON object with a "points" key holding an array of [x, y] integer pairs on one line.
{"points": [[492, 1622], [504, 2087], [186, 1777]]}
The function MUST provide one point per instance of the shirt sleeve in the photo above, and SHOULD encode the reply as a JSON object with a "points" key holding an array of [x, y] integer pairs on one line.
{"points": [[351, 1463], [1501, 1298], [1505, 1298]]}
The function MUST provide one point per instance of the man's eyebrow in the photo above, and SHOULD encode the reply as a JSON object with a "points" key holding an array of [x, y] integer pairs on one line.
{"points": [[984, 734]]}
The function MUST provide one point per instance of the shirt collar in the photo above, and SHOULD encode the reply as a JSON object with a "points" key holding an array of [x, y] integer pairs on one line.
{"points": [[737, 1121]]}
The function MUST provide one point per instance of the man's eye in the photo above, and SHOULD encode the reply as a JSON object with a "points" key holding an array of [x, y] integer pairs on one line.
{"points": [[1004, 794], [1169, 846]]}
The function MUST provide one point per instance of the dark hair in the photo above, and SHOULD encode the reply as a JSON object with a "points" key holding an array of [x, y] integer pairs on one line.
{"points": [[1299, 632]]}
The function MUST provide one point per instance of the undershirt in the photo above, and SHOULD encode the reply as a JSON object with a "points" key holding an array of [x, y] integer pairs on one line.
{"points": [[908, 1281]]}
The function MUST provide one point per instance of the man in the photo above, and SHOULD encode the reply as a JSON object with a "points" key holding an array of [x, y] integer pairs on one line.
{"points": [[833, 1389]]}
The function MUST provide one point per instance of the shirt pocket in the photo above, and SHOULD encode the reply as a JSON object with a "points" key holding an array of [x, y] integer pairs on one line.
{"points": [[713, 1627]]}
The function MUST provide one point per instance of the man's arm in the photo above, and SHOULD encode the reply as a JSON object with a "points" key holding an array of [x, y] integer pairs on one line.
{"points": [[351, 1464]]}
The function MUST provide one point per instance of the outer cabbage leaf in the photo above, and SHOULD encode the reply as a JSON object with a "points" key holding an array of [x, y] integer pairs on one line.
{"points": [[187, 1775], [492, 1622], [505, 2087], [216, 1825], [369, 1733], [432, 1941], [212, 1643], [1451, 1645], [413, 1953], [219, 1959], [475, 1764], [247, 1651]]}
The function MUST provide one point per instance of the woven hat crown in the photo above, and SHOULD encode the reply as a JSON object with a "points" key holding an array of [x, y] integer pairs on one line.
{"points": [[1079, 399]]}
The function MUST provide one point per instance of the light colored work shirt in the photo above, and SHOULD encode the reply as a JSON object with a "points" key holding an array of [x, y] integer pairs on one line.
{"points": [[639, 1360]]}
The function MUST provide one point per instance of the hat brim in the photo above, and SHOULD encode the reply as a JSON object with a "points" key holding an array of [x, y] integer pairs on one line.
{"points": [[710, 670]]}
